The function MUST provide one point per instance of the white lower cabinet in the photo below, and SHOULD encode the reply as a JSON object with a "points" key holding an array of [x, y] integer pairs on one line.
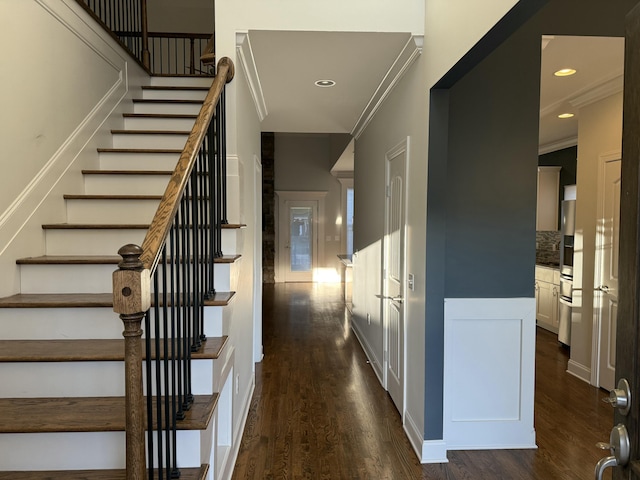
{"points": [[547, 288]]}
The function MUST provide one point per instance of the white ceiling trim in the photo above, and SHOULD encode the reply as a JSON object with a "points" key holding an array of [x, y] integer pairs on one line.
{"points": [[410, 52], [603, 90], [558, 145], [589, 94], [247, 60]]}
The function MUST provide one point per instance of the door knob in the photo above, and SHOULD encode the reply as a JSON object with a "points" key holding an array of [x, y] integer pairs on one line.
{"points": [[604, 288], [620, 397], [620, 450]]}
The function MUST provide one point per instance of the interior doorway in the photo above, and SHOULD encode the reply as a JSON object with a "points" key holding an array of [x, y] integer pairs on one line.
{"points": [[299, 232]]}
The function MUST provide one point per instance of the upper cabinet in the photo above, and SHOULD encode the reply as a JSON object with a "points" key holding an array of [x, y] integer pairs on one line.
{"points": [[548, 198]]}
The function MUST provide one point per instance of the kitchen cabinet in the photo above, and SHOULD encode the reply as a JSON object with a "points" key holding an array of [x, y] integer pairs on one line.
{"points": [[547, 290], [548, 199]]}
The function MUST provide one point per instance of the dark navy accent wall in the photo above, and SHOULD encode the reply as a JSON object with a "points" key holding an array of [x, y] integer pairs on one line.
{"points": [[483, 163], [435, 258], [491, 174]]}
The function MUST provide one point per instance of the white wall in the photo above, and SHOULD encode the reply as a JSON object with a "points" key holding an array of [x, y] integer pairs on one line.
{"points": [[599, 133], [452, 28], [63, 83]]}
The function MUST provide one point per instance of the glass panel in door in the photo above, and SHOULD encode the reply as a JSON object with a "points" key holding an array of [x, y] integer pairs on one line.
{"points": [[301, 238]]}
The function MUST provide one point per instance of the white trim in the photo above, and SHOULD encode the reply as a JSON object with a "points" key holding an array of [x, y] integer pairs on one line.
{"points": [[579, 371], [497, 337], [408, 55], [232, 455], [248, 62], [557, 145], [434, 451], [374, 361], [596, 92], [257, 261], [428, 451]]}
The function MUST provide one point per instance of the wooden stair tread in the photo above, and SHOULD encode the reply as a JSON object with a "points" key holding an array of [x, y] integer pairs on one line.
{"points": [[89, 350], [57, 300], [127, 172], [86, 414], [94, 260], [85, 300], [150, 132], [185, 474], [160, 115], [111, 197], [155, 100], [95, 226], [175, 88], [233, 226], [107, 226], [139, 150]]}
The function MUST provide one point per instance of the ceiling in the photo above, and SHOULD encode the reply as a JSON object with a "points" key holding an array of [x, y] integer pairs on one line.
{"points": [[289, 62], [599, 62], [283, 66]]}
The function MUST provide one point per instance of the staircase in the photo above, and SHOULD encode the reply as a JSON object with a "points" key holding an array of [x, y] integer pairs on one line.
{"points": [[62, 376]]}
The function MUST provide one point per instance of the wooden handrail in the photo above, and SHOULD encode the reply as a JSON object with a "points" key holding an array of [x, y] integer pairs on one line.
{"points": [[208, 56], [161, 224]]}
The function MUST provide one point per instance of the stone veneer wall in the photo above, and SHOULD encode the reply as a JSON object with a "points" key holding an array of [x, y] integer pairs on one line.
{"points": [[268, 208]]}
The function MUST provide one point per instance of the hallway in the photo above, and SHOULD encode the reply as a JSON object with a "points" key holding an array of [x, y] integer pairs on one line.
{"points": [[319, 412]]}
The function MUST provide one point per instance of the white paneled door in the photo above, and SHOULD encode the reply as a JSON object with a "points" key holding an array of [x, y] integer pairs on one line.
{"points": [[606, 274], [394, 272]]}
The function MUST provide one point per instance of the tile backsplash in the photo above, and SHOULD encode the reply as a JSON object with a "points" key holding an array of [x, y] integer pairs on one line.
{"points": [[547, 247]]}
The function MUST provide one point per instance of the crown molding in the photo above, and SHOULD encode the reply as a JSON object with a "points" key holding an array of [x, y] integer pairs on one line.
{"points": [[558, 145], [247, 60], [408, 55], [597, 92]]}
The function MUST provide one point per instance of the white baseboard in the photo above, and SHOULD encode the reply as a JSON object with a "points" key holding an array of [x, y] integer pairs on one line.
{"points": [[428, 451], [368, 351], [578, 370], [228, 467]]}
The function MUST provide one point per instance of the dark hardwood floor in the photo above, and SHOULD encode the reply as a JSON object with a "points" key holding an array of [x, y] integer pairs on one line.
{"points": [[319, 412]]}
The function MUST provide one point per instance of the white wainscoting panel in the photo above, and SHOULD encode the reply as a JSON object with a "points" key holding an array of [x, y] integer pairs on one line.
{"points": [[489, 373]]}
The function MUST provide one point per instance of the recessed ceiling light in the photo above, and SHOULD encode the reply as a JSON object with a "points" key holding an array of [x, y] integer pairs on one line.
{"points": [[565, 115], [565, 72], [325, 83]]}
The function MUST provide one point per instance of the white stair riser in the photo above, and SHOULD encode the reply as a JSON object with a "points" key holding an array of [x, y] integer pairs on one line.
{"points": [[231, 241], [90, 278], [62, 379], [81, 323], [142, 140], [59, 323], [90, 242], [85, 450], [181, 81], [138, 161], [233, 195], [83, 379], [160, 123], [173, 94], [62, 451], [167, 108], [95, 211], [104, 184]]}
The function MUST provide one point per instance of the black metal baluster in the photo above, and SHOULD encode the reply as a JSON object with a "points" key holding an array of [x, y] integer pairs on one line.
{"points": [[157, 376]]}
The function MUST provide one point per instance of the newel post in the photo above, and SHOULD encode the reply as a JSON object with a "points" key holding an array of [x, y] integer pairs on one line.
{"points": [[146, 60], [131, 299]]}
